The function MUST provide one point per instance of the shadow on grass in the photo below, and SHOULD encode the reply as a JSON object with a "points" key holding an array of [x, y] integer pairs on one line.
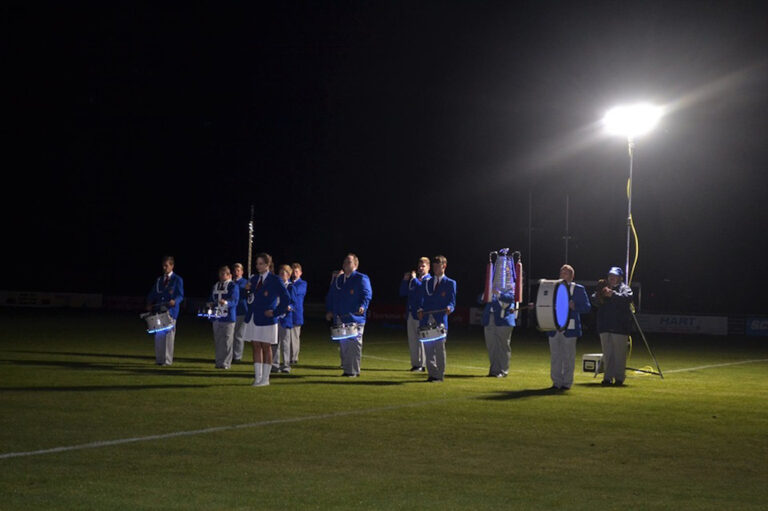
{"points": [[111, 355], [94, 388], [522, 394], [355, 381], [139, 369]]}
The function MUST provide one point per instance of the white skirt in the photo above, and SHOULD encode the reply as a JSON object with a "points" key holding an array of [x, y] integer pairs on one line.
{"points": [[260, 333]]}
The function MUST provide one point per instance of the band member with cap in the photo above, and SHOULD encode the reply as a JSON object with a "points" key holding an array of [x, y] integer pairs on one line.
{"points": [[347, 301], [614, 322], [438, 300], [240, 311], [267, 300], [224, 296], [498, 322], [284, 327], [299, 293], [167, 293], [562, 345], [409, 287]]}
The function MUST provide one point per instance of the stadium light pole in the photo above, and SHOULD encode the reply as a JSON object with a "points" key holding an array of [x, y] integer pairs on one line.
{"points": [[631, 121]]}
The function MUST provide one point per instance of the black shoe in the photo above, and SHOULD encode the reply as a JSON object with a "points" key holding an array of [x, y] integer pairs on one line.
{"points": [[605, 383], [417, 369], [349, 375], [554, 387], [431, 379]]}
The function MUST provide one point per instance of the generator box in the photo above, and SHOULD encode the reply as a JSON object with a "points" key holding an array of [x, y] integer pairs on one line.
{"points": [[592, 363]]}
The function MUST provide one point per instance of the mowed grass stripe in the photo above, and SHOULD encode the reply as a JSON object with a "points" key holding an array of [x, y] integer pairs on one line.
{"points": [[217, 429], [109, 443]]}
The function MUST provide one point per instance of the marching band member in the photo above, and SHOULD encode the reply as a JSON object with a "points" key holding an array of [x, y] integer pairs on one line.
{"points": [[562, 345], [299, 293], [242, 308], [409, 287], [168, 292], [284, 327], [438, 300], [225, 297], [348, 298], [267, 300], [498, 324], [614, 320]]}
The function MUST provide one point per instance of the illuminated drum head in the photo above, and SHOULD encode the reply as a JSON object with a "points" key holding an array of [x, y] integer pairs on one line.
{"points": [[561, 306]]}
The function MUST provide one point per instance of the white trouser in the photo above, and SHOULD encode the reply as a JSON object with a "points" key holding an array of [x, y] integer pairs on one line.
{"points": [[164, 345], [352, 352], [414, 344], [563, 357], [614, 355], [294, 334], [282, 349], [237, 344], [497, 342], [223, 333], [434, 355]]}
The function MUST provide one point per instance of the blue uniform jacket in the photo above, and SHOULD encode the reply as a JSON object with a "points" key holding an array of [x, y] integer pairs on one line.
{"points": [[494, 307], [433, 299], [299, 292], [346, 296], [580, 306], [613, 313], [286, 320], [410, 288], [242, 302], [162, 294], [231, 296], [271, 296]]}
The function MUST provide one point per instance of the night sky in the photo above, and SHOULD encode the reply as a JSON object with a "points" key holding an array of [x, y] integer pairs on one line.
{"points": [[390, 129]]}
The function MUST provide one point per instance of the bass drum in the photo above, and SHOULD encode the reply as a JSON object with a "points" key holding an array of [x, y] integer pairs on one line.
{"points": [[552, 305]]}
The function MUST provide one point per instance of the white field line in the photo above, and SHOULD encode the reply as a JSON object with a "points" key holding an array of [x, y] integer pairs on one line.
{"points": [[717, 365], [120, 441]]}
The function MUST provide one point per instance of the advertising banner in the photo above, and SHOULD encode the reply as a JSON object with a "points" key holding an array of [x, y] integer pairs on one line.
{"points": [[757, 327], [677, 324]]}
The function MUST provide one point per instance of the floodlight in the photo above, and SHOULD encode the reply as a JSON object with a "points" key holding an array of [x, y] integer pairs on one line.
{"points": [[632, 120]]}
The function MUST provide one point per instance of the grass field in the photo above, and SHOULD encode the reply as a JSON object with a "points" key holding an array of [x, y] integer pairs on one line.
{"points": [[193, 437]]}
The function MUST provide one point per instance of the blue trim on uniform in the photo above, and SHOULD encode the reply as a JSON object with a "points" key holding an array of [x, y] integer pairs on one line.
{"points": [[442, 297], [232, 296], [299, 293], [242, 303], [495, 307], [174, 290], [271, 296], [345, 297], [410, 288]]}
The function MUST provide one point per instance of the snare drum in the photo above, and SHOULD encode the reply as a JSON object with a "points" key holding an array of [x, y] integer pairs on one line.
{"points": [[552, 305], [212, 312], [344, 331], [158, 322], [429, 333]]}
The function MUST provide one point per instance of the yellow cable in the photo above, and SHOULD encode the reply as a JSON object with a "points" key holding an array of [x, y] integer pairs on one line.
{"points": [[634, 263]]}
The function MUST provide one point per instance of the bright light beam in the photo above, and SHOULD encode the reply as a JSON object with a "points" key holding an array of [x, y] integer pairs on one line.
{"points": [[631, 121]]}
